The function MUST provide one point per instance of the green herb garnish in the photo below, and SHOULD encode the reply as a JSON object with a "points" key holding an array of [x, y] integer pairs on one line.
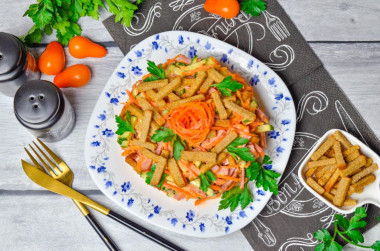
{"points": [[149, 176], [151, 78], [124, 125], [63, 16], [348, 230], [228, 85], [243, 152], [155, 70], [167, 135], [253, 7], [210, 176], [204, 182], [267, 179], [232, 198]]}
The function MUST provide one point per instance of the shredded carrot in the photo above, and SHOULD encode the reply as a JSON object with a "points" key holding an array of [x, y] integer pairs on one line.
{"points": [[225, 177], [197, 202], [130, 149], [192, 121], [232, 166], [231, 160], [139, 163], [215, 187], [220, 182], [131, 98], [195, 169], [236, 119], [179, 190]]}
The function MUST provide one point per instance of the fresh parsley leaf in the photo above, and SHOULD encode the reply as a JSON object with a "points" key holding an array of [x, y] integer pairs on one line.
{"points": [[204, 182], [178, 147], [267, 179], [155, 70], [245, 198], [228, 85], [347, 230], [124, 125], [253, 7], [239, 141], [163, 134], [244, 153], [167, 135], [210, 176], [63, 15], [376, 246], [151, 78], [149, 174], [323, 235], [232, 198]]}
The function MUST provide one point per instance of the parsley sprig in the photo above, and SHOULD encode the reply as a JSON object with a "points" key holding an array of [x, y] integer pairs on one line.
{"points": [[205, 179], [124, 125], [167, 135], [157, 72], [227, 86], [149, 176], [348, 230], [63, 16], [253, 7], [243, 152], [232, 198], [265, 178]]}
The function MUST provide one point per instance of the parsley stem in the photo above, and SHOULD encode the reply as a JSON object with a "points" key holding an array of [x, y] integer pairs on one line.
{"points": [[335, 230], [353, 243]]}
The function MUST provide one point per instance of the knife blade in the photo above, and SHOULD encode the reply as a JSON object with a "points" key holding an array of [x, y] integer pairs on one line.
{"points": [[46, 181]]}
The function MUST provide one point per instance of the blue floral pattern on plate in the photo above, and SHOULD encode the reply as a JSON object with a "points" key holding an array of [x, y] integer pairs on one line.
{"points": [[120, 183]]}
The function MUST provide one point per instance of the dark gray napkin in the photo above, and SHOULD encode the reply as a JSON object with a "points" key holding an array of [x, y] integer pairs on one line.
{"points": [[290, 218]]}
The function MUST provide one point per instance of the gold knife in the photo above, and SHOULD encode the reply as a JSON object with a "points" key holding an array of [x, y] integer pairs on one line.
{"points": [[44, 180]]}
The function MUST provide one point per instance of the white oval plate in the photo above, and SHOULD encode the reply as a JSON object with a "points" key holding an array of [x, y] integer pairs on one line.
{"points": [[118, 181]]}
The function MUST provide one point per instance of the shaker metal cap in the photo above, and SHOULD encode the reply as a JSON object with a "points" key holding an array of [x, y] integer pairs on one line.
{"points": [[38, 104], [10, 53]]}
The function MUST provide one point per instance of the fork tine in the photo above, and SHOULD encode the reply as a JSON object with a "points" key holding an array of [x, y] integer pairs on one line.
{"points": [[274, 33], [50, 170], [277, 32], [35, 162], [52, 154], [284, 28], [280, 29]]}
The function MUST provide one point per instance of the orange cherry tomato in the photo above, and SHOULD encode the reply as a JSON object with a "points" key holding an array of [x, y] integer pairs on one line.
{"points": [[81, 47], [224, 8], [73, 76], [52, 60]]}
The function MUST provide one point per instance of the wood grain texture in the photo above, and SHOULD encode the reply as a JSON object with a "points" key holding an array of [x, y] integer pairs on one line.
{"points": [[52, 222], [339, 20]]}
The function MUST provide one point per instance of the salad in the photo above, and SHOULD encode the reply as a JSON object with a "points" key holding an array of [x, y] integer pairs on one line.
{"points": [[194, 130]]}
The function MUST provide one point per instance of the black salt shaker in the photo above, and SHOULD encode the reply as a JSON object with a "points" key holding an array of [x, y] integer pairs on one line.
{"points": [[42, 108], [17, 65]]}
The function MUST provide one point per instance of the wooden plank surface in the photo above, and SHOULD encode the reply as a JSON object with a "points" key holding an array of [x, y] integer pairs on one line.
{"points": [[338, 20], [51, 222]]}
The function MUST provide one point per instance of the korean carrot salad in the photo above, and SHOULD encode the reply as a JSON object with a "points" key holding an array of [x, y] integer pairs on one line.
{"points": [[193, 129]]}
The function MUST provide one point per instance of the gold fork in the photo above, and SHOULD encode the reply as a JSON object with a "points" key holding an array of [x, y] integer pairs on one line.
{"points": [[66, 176]]}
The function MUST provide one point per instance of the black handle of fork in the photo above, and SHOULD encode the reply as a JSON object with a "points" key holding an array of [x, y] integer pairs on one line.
{"points": [[102, 234], [144, 232]]}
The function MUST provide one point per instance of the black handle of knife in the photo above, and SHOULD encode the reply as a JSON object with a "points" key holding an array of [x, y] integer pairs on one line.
{"points": [[144, 232], [102, 234]]}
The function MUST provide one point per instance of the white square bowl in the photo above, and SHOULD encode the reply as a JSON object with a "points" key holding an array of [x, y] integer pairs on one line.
{"points": [[370, 194]]}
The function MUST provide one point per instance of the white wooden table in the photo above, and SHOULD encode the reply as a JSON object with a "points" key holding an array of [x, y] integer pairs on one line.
{"points": [[345, 34]]}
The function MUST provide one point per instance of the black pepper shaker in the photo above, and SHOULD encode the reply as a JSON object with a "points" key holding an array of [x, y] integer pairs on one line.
{"points": [[17, 65], [42, 108]]}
